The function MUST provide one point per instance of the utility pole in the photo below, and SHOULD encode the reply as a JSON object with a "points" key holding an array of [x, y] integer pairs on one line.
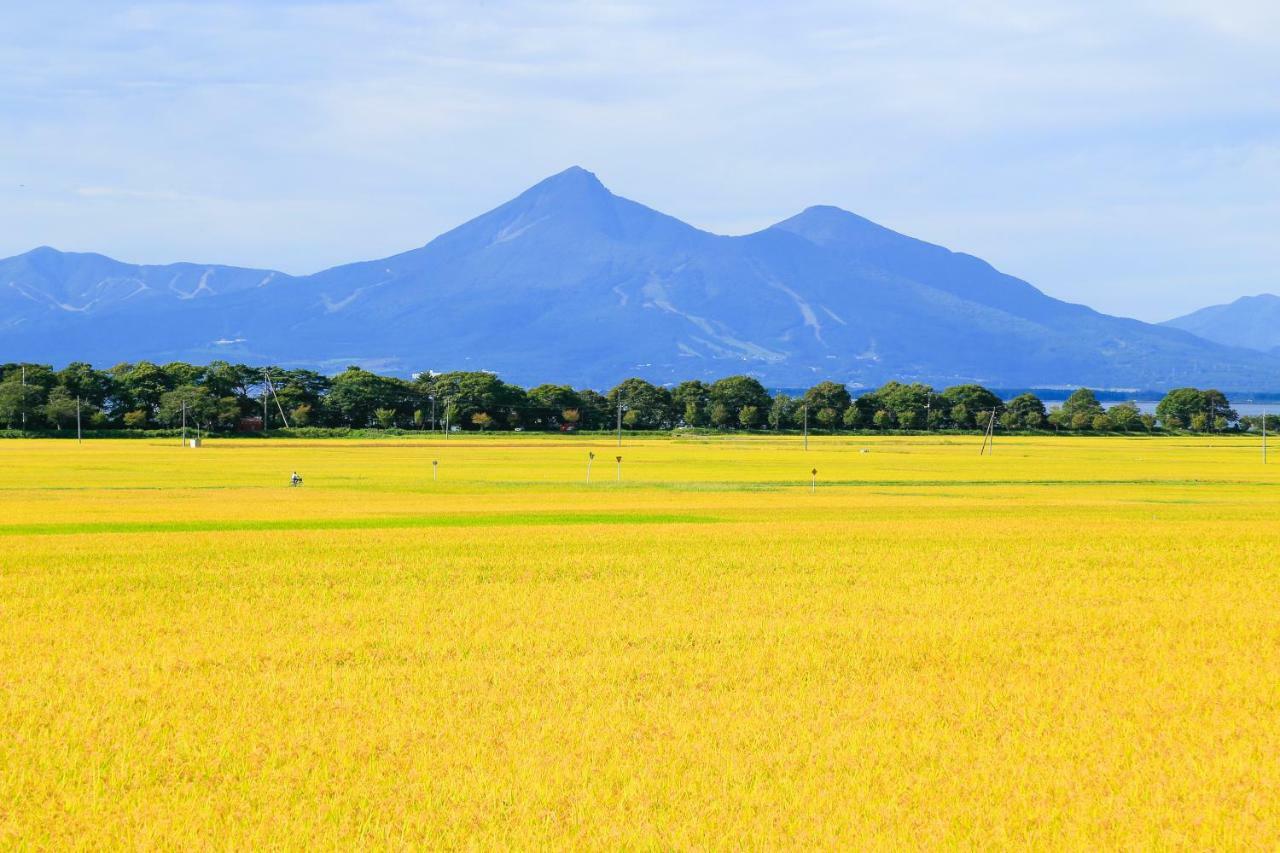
{"points": [[272, 388], [806, 426], [80, 436], [619, 423], [24, 398], [988, 435], [184, 423], [1264, 436]]}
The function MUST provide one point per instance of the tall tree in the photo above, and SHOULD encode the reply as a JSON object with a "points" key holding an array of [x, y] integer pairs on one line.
{"points": [[297, 388], [548, 403], [651, 404], [691, 401], [17, 400], [40, 376], [596, 411], [738, 392], [357, 394], [92, 387], [232, 380], [1179, 406], [826, 395], [782, 414], [971, 405], [480, 391], [861, 413], [1219, 407], [1124, 416], [909, 404], [139, 387], [1082, 402], [192, 401], [1026, 411], [180, 373], [61, 408]]}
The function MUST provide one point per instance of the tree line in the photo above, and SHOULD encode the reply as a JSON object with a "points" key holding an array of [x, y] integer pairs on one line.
{"points": [[225, 397]]}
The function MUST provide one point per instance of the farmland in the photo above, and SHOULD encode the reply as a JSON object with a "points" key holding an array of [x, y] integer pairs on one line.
{"points": [[1070, 642]]}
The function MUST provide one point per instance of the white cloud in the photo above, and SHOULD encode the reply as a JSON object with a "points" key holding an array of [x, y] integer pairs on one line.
{"points": [[1103, 150]]}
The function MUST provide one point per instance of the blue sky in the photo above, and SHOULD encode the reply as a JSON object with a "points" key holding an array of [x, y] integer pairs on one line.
{"points": [[1121, 154]]}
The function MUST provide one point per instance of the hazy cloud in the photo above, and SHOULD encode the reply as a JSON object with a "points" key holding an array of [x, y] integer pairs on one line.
{"points": [[1124, 154]]}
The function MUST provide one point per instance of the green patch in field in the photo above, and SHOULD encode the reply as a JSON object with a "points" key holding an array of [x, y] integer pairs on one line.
{"points": [[718, 486], [374, 523], [1029, 482]]}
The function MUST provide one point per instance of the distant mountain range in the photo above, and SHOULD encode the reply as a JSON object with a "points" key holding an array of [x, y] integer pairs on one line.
{"points": [[570, 283], [1250, 321]]}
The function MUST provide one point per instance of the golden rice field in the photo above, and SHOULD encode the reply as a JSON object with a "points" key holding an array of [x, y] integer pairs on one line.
{"points": [[1070, 643]]}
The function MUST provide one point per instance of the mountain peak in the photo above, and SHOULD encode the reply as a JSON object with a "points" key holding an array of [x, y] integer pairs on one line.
{"points": [[573, 180], [577, 170], [1250, 321], [825, 224], [43, 256], [572, 204], [42, 252], [1260, 299], [575, 190], [826, 210]]}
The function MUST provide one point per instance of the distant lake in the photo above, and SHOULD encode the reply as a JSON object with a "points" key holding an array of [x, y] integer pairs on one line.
{"points": [[1055, 397], [1149, 407], [1147, 403]]}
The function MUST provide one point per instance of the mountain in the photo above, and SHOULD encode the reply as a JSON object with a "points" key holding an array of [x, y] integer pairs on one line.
{"points": [[95, 284], [70, 299], [1250, 321], [570, 283]]}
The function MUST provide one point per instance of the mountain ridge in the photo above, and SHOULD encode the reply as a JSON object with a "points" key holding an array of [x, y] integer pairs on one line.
{"points": [[568, 282], [1250, 321]]}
